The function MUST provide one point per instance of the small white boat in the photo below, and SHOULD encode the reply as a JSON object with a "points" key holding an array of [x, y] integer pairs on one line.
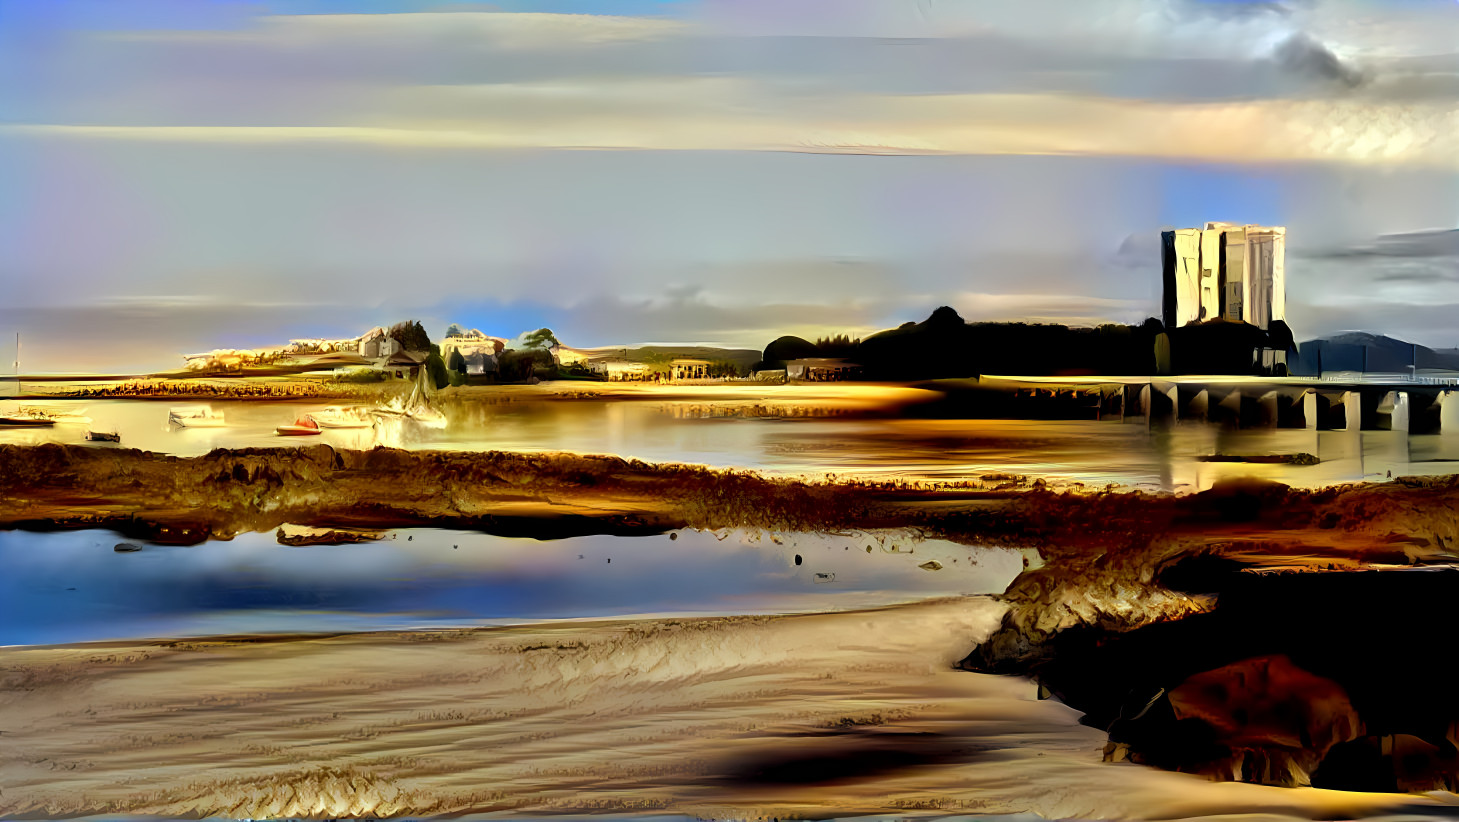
{"points": [[196, 417], [336, 416]]}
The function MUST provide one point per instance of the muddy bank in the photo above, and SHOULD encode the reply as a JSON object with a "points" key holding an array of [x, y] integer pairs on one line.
{"points": [[225, 492], [1090, 536]]}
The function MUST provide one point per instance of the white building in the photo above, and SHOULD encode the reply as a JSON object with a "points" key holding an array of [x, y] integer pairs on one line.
{"points": [[1235, 272], [472, 342], [377, 343], [1186, 279], [617, 368]]}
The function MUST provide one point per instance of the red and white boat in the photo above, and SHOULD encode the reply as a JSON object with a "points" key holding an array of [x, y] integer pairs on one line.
{"points": [[302, 427]]}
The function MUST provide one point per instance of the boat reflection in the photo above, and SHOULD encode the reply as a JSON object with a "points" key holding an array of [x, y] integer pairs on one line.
{"points": [[1174, 458]]}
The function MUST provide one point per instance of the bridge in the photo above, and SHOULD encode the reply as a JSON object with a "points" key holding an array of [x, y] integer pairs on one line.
{"points": [[1348, 402]]}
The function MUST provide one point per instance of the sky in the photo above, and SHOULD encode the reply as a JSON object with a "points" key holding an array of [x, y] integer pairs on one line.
{"points": [[183, 175]]}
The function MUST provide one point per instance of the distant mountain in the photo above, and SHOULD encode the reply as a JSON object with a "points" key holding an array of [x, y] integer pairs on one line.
{"points": [[1362, 351]]}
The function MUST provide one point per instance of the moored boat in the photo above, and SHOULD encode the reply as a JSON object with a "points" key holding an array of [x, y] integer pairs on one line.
{"points": [[202, 416], [336, 416], [303, 426], [103, 436], [26, 418], [60, 415]]}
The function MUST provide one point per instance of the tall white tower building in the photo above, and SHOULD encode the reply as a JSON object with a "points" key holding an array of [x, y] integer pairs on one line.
{"points": [[1235, 272]]}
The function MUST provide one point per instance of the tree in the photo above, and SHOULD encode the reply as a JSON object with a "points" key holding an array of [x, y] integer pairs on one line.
{"points": [[724, 368], [841, 345], [657, 363], [411, 336], [541, 338], [517, 365], [436, 367], [457, 362], [453, 330], [1280, 336], [783, 349]]}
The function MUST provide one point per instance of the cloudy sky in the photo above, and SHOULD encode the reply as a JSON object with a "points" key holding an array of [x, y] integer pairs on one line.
{"points": [[180, 175]]}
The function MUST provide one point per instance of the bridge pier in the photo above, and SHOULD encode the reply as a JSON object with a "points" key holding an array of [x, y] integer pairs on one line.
{"points": [[1448, 412], [1290, 413], [1199, 406], [1228, 411], [1135, 402], [1109, 403], [1268, 410], [1164, 403], [1424, 410], [1392, 412], [1345, 411]]}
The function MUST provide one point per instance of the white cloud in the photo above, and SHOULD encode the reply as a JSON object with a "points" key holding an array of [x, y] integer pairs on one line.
{"points": [[1158, 78], [688, 116], [368, 160]]}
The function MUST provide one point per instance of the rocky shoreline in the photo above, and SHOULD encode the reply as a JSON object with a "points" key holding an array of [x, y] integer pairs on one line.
{"points": [[1257, 634]]}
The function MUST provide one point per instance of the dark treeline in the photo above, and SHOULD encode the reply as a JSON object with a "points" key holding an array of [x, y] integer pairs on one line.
{"points": [[944, 346]]}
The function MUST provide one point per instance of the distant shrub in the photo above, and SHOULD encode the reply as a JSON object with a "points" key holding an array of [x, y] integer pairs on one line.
{"points": [[360, 375]]}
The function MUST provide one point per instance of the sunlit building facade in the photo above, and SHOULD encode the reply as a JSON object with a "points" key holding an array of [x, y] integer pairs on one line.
{"points": [[1234, 272]]}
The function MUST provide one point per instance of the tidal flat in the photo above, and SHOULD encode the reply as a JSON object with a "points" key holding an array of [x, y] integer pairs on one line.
{"points": [[911, 703]]}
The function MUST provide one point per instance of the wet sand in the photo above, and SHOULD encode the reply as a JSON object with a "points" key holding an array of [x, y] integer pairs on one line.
{"points": [[789, 717]]}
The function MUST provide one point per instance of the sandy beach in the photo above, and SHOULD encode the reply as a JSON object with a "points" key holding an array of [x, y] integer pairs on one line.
{"points": [[789, 717]]}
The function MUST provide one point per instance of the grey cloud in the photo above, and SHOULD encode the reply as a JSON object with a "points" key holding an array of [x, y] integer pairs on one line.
{"points": [[1237, 11], [613, 320], [1420, 276], [1303, 55], [1420, 244], [1138, 251], [292, 72], [1439, 243]]}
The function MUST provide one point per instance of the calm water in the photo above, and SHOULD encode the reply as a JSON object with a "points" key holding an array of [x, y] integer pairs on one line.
{"points": [[72, 586], [1095, 453]]}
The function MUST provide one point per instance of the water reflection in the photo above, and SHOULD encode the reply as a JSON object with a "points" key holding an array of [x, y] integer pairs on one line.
{"points": [[1090, 452], [73, 586]]}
